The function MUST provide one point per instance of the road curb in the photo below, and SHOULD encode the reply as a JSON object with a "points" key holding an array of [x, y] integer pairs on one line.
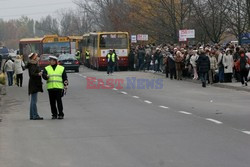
{"points": [[219, 85]]}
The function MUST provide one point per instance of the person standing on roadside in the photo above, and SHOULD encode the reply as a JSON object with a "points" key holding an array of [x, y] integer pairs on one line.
{"points": [[19, 67], [9, 69], [57, 81], [203, 64], [243, 61], [221, 66], [213, 67], [35, 85], [228, 64]]}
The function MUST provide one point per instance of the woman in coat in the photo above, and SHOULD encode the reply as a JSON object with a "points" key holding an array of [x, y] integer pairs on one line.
{"points": [[194, 57], [35, 85], [19, 65], [228, 63], [178, 64]]}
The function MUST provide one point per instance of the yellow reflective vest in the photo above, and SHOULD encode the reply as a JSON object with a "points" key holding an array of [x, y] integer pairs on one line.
{"points": [[55, 80], [87, 55], [112, 58]]}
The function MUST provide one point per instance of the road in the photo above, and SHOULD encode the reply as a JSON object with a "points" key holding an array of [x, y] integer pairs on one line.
{"points": [[180, 125]]}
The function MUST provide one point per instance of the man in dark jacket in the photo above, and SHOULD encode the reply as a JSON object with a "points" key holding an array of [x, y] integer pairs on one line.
{"points": [[131, 59], [203, 64], [171, 65], [35, 85]]}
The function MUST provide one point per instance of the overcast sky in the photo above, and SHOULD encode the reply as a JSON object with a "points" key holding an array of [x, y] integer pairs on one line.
{"points": [[13, 9]]}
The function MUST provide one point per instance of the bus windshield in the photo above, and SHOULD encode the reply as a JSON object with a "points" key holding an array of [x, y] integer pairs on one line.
{"points": [[113, 41], [56, 48]]}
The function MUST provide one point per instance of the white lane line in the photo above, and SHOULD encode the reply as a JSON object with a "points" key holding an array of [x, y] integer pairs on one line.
{"points": [[213, 120], [184, 112], [164, 107], [146, 101], [125, 93], [115, 89], [246, 132], [136, 97]]}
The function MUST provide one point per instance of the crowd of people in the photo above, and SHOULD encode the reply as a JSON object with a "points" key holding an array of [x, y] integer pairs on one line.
{"points": [[208, 63], [14, 70]]}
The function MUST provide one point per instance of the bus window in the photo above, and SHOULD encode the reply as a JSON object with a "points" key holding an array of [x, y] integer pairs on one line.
{"points": [[56, 48], [113, 41]]}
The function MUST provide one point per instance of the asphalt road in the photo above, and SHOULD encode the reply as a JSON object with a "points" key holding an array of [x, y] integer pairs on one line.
{"points": [[180, 125]]}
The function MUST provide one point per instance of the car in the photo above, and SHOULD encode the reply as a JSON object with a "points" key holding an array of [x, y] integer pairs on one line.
{"points": [[69, 62], [4, 52], [44, 60]]}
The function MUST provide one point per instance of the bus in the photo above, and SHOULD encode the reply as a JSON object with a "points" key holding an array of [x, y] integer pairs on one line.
{"points": [[74, 43], [49, 44], [30, 45], [99, 44]]}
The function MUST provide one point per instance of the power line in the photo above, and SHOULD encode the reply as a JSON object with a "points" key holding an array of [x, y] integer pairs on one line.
{"points": [[38, 5]]}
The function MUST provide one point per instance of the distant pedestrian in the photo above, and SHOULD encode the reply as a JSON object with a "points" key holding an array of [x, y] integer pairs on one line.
{"points": [[193, 59], [9, 69], [19, 68], [243, 67], [131, 59], [221, 66], [213, 67], [178, 64], [171, 65], [228, 64], [35, 85], [203, 64]]}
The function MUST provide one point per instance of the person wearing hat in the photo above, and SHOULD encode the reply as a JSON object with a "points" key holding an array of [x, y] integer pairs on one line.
{"points": [[111, 59], [57, 80], [35, 85]]}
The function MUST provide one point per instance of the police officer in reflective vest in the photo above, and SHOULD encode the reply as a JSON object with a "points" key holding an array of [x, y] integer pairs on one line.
{"points": [[78, 55], [56, 82], [87, 57], [111, 60]]}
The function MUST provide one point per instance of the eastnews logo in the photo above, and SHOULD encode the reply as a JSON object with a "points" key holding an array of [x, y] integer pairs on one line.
{"points": [[132, 83]]}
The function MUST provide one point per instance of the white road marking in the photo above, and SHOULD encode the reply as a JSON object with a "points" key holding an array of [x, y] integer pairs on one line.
{"points": [[184, 112], [115, 89], [136, 97], [164, 107], [146, 101], [213, 120], [246, 132], [125, 93]]}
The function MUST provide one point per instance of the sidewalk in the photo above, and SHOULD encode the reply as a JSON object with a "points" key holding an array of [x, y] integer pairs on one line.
{"points": [[234, 86]]}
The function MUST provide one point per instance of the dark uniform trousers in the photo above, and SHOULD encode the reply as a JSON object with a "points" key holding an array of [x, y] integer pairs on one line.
{"points": [[55, 98]]}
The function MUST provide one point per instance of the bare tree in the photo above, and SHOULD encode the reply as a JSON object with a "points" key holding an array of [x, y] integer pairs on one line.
{"points": [[48, 25], [237, 21], [211, 14]]}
